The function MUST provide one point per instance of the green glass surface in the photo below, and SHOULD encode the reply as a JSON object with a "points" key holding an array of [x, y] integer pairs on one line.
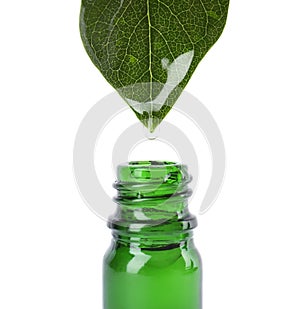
{"points": [[152, 262]]}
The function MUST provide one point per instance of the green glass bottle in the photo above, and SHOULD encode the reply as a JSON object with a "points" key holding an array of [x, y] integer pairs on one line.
{"points": [[152, 262]]}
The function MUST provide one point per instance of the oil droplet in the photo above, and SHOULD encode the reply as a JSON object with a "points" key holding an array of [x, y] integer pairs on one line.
{"points": [[150, 133]]}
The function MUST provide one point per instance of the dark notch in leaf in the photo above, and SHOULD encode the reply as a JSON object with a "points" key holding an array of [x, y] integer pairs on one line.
{"points": [[148, 49]]}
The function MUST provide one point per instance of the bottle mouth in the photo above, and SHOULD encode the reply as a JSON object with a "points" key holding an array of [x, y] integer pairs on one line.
{"points": [[146, 182], [153, 172]]}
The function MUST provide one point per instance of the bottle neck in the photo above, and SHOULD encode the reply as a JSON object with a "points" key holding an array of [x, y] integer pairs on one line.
{"points": [[162, 241], [152, 204]]}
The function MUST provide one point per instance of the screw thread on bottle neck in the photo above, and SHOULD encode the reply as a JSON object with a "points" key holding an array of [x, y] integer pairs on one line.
{"points": [[152, 201]]}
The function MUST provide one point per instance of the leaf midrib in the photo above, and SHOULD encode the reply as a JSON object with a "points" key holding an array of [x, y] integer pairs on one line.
{"points": [[150, 52]]}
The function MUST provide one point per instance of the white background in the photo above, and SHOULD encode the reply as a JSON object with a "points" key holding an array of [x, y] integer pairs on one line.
{"points": [[51, 245]]}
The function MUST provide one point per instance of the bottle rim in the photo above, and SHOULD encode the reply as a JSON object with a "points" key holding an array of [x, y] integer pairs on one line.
{"points": [[163, 172]]}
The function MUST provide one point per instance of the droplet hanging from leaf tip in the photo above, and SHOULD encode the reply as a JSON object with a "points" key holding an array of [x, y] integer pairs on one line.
{"points": [[152, 130]]}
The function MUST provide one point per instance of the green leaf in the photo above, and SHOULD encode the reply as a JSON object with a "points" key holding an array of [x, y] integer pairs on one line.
{"points": [[148, 49]]}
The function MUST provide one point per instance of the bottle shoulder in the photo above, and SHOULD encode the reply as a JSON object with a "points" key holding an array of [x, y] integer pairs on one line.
{"points": [[182, 257]]}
